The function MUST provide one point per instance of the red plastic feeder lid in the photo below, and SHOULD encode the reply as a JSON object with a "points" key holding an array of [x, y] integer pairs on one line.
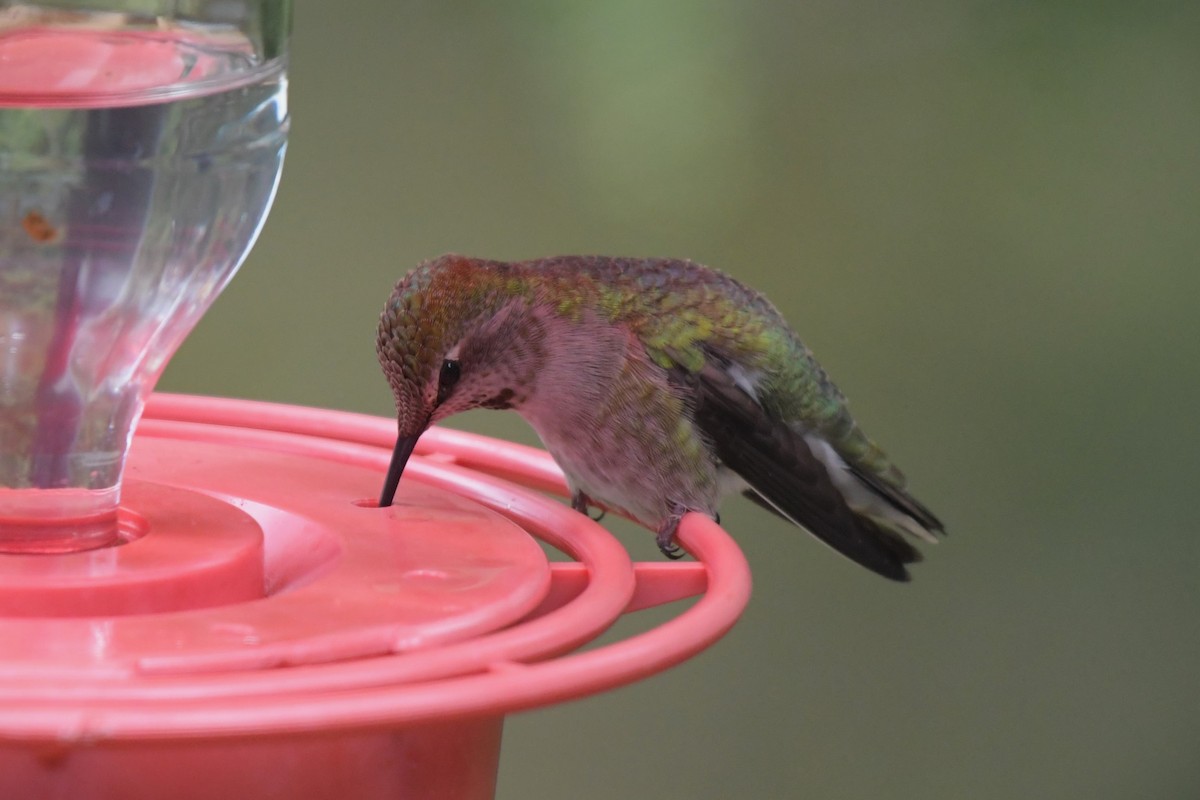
{"points": [[259, 589]]}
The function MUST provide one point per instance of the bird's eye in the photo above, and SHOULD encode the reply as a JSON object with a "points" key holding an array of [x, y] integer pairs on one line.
{"points": [[449, 375]]}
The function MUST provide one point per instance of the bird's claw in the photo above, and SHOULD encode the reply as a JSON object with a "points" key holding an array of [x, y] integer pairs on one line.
{"points": [[666, 535], [582, 503], [671, 550]]}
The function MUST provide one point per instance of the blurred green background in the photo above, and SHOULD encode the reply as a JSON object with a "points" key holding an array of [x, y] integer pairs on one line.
{"points": [[982, 216]]}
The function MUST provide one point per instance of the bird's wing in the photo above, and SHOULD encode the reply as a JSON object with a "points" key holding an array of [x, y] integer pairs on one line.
{"points": [[783, 471]]}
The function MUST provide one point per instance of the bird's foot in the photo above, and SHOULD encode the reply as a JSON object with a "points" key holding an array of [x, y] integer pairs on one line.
{"points": [[666, 534], [581, 503]]}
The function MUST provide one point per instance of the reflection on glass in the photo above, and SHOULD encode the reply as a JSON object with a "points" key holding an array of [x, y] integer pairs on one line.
{"points": [[139, 155]]}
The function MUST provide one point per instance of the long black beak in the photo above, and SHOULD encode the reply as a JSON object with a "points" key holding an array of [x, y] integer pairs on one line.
{"points": [[404, 448]]}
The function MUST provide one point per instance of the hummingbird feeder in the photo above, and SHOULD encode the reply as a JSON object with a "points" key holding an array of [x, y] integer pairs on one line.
{"points": [[216, 607]]}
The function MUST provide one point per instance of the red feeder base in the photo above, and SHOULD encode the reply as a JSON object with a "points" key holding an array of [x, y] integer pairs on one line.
{"points": [[265, 631]]}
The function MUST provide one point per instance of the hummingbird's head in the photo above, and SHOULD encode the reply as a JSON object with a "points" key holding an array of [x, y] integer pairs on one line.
{"points": [[445, 343]]}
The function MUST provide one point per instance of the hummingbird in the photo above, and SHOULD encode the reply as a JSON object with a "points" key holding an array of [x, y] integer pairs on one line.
{"points": [[658, 385]]}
